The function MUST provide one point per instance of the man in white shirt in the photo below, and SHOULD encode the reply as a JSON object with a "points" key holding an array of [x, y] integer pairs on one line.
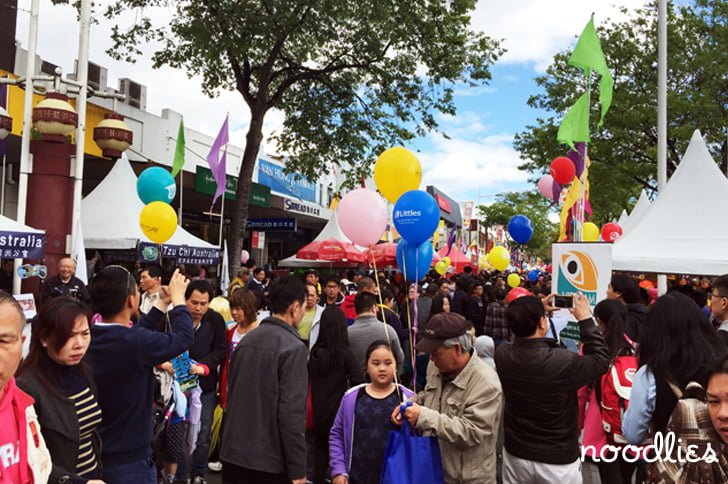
{"points": [[150, 282]]}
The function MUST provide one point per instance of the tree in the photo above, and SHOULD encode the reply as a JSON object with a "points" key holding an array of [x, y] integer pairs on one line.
{"points": [[352, 78], [531, 204], [624, 151]]}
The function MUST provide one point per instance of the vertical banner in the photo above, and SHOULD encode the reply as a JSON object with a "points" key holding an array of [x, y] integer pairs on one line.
{"points": [[582, 267]]}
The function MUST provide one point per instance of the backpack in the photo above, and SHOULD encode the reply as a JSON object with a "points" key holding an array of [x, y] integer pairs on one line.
{"points": [[690, 423], [616, 387]]}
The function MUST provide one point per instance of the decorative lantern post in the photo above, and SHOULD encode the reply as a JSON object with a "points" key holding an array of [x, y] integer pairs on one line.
{"points": [[113, 135]]}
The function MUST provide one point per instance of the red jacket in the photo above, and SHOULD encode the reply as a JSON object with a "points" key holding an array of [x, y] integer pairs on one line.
{"points": [[225, 369]]}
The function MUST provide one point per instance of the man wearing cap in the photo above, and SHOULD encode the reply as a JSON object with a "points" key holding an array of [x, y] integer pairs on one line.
{"points": [[461, 403], [540, 381]]}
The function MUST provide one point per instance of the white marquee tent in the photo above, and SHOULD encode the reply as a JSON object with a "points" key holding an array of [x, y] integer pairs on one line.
{"points": [[639, 211], [330, 231], [110, 214], [685, 230]]}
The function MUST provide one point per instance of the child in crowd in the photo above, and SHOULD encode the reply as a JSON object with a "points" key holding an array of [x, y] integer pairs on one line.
{"points": [[359, 434]]}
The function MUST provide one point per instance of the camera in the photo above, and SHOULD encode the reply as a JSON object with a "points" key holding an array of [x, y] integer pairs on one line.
{"points": [[563, 301]]}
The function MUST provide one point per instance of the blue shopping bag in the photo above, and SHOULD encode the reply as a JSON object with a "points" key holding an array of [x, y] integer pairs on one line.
{"points": [[410, 458]]}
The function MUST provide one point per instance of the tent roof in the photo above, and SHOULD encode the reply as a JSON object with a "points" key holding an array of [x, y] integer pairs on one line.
{"points": [[110, 214], [622, 219], [639, 211], [330, 231], [10, 225], [685, 230]]}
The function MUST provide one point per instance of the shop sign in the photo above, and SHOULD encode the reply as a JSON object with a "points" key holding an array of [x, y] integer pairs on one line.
{"points": [[271, 224], [289, 184], [205, 183]]}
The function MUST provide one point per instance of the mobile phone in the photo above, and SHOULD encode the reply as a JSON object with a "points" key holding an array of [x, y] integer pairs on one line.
{"points": [[563, 301]]}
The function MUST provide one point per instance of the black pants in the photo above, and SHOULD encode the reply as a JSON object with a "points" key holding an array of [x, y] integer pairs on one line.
{"points": [[321, 465], [617, 472], [232, 474]]}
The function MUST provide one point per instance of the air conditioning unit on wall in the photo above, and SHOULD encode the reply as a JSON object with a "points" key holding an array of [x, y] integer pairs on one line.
{"points": [[134, 93]]}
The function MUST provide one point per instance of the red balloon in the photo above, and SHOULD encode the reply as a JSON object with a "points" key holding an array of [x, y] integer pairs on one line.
{"points": [[611, 232], [563, 170]]}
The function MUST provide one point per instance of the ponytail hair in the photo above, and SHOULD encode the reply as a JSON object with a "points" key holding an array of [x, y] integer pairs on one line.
{"points": [[613, 314]]}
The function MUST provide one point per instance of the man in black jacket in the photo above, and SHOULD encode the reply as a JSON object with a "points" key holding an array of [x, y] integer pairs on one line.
{"points": [[208, 351], [540, 381], [264, 436]]}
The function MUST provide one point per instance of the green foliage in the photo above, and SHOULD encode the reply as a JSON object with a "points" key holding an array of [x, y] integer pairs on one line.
{"points": [[624, 151], [351, 78], [531, 204]]}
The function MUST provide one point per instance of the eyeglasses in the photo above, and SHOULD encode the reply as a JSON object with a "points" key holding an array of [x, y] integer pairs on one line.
{"points": [[128, 276], [711, 295]]}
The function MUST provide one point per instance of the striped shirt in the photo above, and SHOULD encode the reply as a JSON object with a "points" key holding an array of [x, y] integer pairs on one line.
{"points": [[89, 417]]}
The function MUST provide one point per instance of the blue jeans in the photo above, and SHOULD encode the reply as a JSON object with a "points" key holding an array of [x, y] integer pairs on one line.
{"points": [[198, 465], [139, 472]]}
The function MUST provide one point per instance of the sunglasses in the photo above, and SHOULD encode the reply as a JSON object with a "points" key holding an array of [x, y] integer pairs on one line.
{"points": [[129, 278]]}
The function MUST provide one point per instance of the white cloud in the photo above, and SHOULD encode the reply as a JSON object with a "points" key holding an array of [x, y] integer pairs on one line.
{"points": [[535, 30]]}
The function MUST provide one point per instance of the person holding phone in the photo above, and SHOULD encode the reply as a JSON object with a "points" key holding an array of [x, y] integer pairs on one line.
{"points": [[540, 381]]}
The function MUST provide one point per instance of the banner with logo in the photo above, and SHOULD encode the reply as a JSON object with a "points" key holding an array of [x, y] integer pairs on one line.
{"points": [[582, 267], [183, 254]]}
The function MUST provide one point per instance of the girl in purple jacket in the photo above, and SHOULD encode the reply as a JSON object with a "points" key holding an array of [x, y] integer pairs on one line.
{"points": [[359, 434]]}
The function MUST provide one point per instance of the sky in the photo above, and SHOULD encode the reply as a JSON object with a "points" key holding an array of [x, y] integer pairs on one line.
{"points": [[475, 164]]}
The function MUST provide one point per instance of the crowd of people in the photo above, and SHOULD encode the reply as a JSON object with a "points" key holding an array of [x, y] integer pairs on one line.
{"points": [[147, 377]]}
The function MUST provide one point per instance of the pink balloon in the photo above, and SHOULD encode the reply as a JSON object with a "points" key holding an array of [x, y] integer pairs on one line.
{"points": [[244, 256], [545, 186], [362, 216]]}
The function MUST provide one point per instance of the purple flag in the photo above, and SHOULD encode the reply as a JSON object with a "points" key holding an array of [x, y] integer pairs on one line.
{"points": [[578, 157], [218, 165]]}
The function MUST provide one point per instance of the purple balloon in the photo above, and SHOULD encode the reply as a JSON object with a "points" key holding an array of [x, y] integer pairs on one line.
{"points": [[578, 157]]}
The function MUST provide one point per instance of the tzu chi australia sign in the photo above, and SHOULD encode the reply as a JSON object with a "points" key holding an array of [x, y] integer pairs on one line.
{"points": [[23, 245]]}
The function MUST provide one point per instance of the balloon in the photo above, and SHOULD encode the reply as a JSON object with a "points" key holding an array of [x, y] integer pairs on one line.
{"points": [[521, 229], [591, 232], [533, 275], [362, 216], [416, 216], [546, 186], [513, 280], [441, 268], [563, 170], [397, 171], [447, 261], [244, 256], [156, 184], [414, 260], [611, 232], [499, 258], [158, 221]]}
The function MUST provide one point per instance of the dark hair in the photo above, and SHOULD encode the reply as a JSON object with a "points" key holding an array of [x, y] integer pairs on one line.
{"points": [[524, 314], [627, 287], [202, 286], [154, 271], [614, 316], [380, 343], [245, 300], [365, 283], [721, 284], [285, 291], [363, 301], [500, 294], [258, 270], [437, 303], [330, 348], [7, 298], [331, 278], [467, 270], [109, 289], [432, 290], [250, 263], [387, 294], [719, 367], [677, 341], [53, 326]]}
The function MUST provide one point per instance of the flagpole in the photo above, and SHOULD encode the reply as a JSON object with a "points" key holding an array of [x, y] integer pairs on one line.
{"points": [[181, 195], [661, 112]]}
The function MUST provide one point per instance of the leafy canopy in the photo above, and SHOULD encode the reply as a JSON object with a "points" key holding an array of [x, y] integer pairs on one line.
{"points": [[624, 151]]}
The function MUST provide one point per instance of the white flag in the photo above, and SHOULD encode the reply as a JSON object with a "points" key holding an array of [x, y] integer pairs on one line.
{"points": [[79, 254], [225, 271]]}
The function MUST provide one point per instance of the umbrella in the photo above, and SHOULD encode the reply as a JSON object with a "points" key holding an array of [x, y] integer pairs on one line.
{"points": [[331, 250], [382, 254]]}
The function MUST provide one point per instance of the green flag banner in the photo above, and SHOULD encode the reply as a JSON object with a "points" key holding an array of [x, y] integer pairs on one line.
{"points": [[588, 56], [179, 150], [575, 125]]}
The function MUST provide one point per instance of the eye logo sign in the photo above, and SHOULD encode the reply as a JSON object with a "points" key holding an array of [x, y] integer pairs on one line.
{"points": [[578, 273]]}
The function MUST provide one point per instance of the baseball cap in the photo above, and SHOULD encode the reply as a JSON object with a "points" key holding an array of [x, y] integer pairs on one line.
{"points": [[442, 326]]}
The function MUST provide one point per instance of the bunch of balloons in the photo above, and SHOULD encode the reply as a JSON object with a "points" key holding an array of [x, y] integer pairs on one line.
{"points": [[610, 232], [442, 265], [156, 189]]}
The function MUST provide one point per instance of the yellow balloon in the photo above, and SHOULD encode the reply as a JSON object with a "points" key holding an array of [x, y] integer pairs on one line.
{"points": [[591, 232], [441, 268], [513, 280], [499, 257], [158, 221], [447, 261], [397, 171]]}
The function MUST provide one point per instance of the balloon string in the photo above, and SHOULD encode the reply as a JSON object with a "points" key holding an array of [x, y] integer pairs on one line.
{"points": [[409, 329], [384, 320]]}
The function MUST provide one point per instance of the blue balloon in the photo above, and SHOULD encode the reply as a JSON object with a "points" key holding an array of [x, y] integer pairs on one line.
{"points": [[533, 275], [416, 216], [521, 229], [414, 260], [156, 184]]}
